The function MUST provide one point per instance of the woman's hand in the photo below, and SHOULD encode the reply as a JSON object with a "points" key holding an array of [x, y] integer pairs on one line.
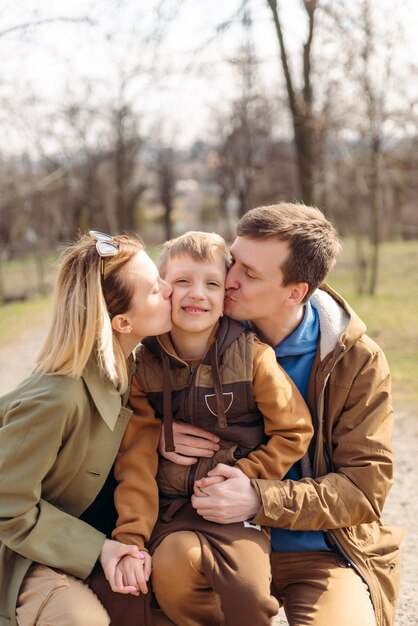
{"points": [[110, 555], [190, 442]]}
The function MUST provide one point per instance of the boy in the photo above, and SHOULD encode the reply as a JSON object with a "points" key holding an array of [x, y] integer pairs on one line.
{"points": [[210, 371]]}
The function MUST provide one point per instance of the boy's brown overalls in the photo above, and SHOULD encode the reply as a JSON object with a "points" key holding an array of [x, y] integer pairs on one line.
{"points": [[238, 392]]}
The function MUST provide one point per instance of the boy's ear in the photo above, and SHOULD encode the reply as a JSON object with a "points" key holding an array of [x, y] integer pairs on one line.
{"points": [[121, 324]]}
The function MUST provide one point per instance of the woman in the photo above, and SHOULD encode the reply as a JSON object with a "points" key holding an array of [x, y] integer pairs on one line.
{"points": [[61, 430]]}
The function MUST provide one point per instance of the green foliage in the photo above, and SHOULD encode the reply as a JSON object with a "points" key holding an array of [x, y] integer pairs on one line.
{"points": [[208, 210], [392, 315], [29, 276], [18, 319]]}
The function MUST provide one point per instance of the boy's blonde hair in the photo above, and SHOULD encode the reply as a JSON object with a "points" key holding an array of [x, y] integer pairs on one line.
{"points": [[82, 311], [199, 245]]}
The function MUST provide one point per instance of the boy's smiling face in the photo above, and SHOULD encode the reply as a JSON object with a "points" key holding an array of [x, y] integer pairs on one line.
{"points": [[198, 291]]}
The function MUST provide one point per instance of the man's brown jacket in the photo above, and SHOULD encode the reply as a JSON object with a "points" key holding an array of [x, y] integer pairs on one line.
{"points": [[351, 457]]}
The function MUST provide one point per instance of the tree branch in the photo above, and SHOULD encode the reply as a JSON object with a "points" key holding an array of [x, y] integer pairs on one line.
{"points": [[49, 20]]}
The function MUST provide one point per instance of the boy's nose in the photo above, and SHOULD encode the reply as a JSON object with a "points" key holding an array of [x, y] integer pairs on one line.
{"points": [[197, 292]]}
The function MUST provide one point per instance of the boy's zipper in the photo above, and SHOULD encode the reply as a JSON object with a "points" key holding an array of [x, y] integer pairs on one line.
{"points": [[189, 395], [190, 416]]}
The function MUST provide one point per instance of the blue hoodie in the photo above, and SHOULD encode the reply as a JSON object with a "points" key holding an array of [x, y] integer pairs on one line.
{"points": [[296, 354]]}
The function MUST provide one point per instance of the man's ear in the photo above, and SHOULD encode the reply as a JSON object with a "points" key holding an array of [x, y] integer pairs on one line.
{"points": [[121, 324], [298, 293]]}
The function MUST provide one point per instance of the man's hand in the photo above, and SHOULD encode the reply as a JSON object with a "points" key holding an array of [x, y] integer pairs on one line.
{"points": [[133, 572], [190, 442], [111, 553], [232, 500], [203, 483]]}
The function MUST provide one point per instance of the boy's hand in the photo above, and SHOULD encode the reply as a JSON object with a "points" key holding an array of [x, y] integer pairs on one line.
{"points": [[111, 554], [133, 572], [207, 481], [190, 442]]}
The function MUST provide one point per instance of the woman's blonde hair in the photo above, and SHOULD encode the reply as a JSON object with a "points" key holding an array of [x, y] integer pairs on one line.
{"points": [[199, 245], [82, 311]]}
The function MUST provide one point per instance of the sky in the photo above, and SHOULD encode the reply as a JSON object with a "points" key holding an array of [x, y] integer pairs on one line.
{"points": [[181, 80]]}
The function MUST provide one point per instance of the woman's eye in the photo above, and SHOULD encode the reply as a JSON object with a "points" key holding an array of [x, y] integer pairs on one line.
{"points": [[250, 275]]}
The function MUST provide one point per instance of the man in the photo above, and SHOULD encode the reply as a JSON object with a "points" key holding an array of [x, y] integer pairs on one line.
{"points": [[332, 560]]}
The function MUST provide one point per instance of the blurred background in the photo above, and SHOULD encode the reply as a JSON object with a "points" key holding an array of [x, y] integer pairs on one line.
{"points": [[161, 116]]}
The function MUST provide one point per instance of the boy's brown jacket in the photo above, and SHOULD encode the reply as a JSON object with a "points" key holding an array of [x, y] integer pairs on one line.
{"points": [[252, 386], [349, 398]]}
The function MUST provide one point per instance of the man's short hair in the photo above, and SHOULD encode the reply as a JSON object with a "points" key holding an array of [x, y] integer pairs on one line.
{"points": [[313, 240], [199, 245]]}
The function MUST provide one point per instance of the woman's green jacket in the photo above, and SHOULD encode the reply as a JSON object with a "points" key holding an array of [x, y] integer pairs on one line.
{"points": [[59, 437]]}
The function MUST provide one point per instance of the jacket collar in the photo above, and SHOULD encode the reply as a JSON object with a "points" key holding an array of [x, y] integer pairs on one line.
{"points": [[104, 394], [339, 324], [225, 332]]}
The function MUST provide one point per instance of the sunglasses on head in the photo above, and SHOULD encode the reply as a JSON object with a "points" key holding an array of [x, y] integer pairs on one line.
{"points": [[105, 248]]}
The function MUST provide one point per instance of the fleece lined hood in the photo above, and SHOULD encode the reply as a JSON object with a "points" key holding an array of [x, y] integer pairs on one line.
{"points": [[339, 324]]}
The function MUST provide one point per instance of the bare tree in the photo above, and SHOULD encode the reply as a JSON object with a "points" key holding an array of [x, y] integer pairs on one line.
{"points": [[301, 100], [245, 130], [128, 188], [166, 183], [368, 46]]}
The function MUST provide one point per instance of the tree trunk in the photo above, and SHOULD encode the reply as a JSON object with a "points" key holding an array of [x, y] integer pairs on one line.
{"points": [[300, 106], [375, 213]]}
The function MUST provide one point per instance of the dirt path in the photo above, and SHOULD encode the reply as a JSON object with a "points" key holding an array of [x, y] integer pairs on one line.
{"points": [[401, 509]]}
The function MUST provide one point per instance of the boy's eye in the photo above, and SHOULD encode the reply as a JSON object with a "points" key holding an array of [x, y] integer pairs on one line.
{"points": [[181, 280], [213, 283]]}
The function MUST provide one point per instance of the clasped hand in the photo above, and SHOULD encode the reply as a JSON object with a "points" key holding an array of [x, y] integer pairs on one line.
{"points": [[126, 567], [226, 495]]}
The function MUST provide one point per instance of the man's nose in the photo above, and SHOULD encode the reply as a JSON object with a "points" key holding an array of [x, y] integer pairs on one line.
{"points": [[231, 281]]}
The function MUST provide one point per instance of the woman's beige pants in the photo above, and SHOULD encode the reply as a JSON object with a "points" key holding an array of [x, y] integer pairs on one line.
{"points": [[51, 598]]}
